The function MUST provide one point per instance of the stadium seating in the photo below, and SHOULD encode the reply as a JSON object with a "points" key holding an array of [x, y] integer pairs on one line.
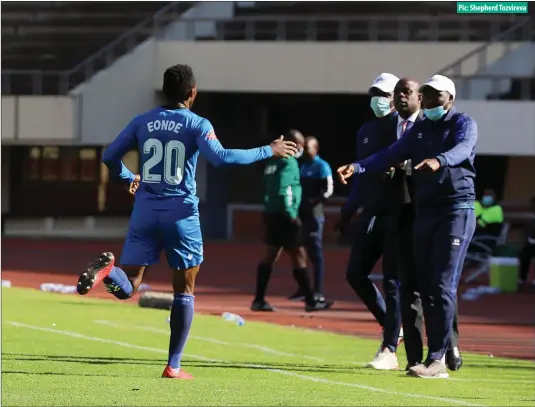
{"points": [[52, 35], [363, 22], [57, 36]]}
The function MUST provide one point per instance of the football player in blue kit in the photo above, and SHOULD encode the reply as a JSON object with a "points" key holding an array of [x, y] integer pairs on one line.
{"points": [[165, 214]]}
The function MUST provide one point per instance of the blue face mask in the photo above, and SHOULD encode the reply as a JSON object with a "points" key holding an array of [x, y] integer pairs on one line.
{"points": [[380, 106], [435, 113], [487, 200]]}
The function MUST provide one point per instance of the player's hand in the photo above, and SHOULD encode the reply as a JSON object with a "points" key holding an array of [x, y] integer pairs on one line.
{"points": [[344, 172], [428, 164], [283, 149], [134, 185]]}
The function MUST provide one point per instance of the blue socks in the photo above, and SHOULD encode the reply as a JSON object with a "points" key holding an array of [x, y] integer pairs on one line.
{"points": [[118, 284], [180, 323]]}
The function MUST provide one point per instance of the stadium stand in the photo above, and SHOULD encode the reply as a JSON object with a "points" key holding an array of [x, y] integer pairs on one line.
{"points": [[48, 48], [361, 21], [60, 38], [54, 36]]}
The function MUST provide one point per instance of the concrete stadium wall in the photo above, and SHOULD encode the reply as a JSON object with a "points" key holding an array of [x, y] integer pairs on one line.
{"points": [[505, 127], [38, 119], [311, 67], [111, 98]]}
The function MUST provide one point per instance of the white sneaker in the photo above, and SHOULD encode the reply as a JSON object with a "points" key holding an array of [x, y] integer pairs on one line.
{"points": [[384, 360]]}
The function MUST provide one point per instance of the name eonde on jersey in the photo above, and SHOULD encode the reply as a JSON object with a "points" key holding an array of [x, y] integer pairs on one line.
{"points": [[164, 125]]}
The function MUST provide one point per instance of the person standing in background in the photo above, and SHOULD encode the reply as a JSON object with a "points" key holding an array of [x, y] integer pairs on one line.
{"points": [[283, 228], [317, 185]]}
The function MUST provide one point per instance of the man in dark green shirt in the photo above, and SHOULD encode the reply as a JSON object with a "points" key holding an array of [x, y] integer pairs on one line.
{"points": [[282, 198], [282, 187]]}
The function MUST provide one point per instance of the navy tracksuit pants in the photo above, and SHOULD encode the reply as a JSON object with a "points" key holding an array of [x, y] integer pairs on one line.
{"points": [[441, 240], [412, 316], [313, 241], [368, 245]]}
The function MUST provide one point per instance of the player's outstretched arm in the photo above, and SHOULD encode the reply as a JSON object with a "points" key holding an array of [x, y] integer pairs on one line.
{"points": [[112, 156], [389, 157], [211, 148]]}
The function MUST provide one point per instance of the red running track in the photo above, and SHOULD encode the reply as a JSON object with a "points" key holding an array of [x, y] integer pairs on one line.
{"points": [[501, 325]]}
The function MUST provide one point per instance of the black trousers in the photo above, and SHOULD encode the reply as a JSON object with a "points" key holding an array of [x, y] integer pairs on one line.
{"points": [[372, 238], [526, 255], [412, 316]]}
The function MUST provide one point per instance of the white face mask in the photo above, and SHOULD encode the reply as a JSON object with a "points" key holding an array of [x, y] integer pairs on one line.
{"points": [[299, 152]]}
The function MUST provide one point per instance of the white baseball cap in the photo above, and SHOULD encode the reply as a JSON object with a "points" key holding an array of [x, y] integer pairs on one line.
{"points": [[385, 82], [441, 83]]}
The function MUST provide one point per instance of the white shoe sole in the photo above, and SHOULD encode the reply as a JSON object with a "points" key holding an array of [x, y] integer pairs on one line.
{"points": [[371, 366], [439, 376]]}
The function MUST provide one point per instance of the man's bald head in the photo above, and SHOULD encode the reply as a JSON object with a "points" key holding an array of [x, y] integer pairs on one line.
{"points": [[296, 136], [312, 147], [407, 97]]}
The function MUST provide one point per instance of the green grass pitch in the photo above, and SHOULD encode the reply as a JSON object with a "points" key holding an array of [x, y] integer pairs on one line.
{"points": [[60, 350]]}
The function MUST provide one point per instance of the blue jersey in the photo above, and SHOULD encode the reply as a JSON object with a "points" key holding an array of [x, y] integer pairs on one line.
{"points": [[317, 183], [169, 143]]}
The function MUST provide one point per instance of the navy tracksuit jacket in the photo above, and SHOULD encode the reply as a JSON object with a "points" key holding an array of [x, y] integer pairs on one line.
{"points": [[445, 221]]}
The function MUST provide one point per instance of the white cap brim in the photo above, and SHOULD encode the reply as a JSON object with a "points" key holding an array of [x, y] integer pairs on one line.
{"points": [[382, 87], [441, 84], [385, 82]]}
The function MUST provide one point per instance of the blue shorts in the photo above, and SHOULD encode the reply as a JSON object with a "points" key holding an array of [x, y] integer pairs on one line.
{"points": [[152, 230]]}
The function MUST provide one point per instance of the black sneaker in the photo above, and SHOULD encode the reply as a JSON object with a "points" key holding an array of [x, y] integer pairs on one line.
{"points": [[297, 296], [454, 360], [319, 306], [262, 306], [319, 297]]}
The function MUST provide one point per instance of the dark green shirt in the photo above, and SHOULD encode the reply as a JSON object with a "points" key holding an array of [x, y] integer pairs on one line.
{"points": [[282, 188]]}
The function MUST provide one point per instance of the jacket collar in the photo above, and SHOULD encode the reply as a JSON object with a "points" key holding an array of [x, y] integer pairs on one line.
{"points": [[450, 114]]}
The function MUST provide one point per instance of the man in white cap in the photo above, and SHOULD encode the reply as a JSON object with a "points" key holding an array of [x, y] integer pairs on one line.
{"points": [[443, 145], [374, 197]]}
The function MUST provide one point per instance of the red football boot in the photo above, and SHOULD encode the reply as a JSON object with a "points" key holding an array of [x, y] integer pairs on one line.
{"points": [[170, 373], [97, 271]]}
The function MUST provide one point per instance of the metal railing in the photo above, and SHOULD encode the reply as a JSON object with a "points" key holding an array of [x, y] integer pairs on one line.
{"points": [[494, 87], [422, 28], [273, 28], [524, 26], [61, 82]]}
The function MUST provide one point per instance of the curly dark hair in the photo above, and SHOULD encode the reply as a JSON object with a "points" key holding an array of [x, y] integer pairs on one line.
{"points": [[178, 81]]}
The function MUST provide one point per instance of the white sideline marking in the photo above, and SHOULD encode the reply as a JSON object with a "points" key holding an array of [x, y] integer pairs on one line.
{"points": [[212, 340], [254, 366], [280, 353]]}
